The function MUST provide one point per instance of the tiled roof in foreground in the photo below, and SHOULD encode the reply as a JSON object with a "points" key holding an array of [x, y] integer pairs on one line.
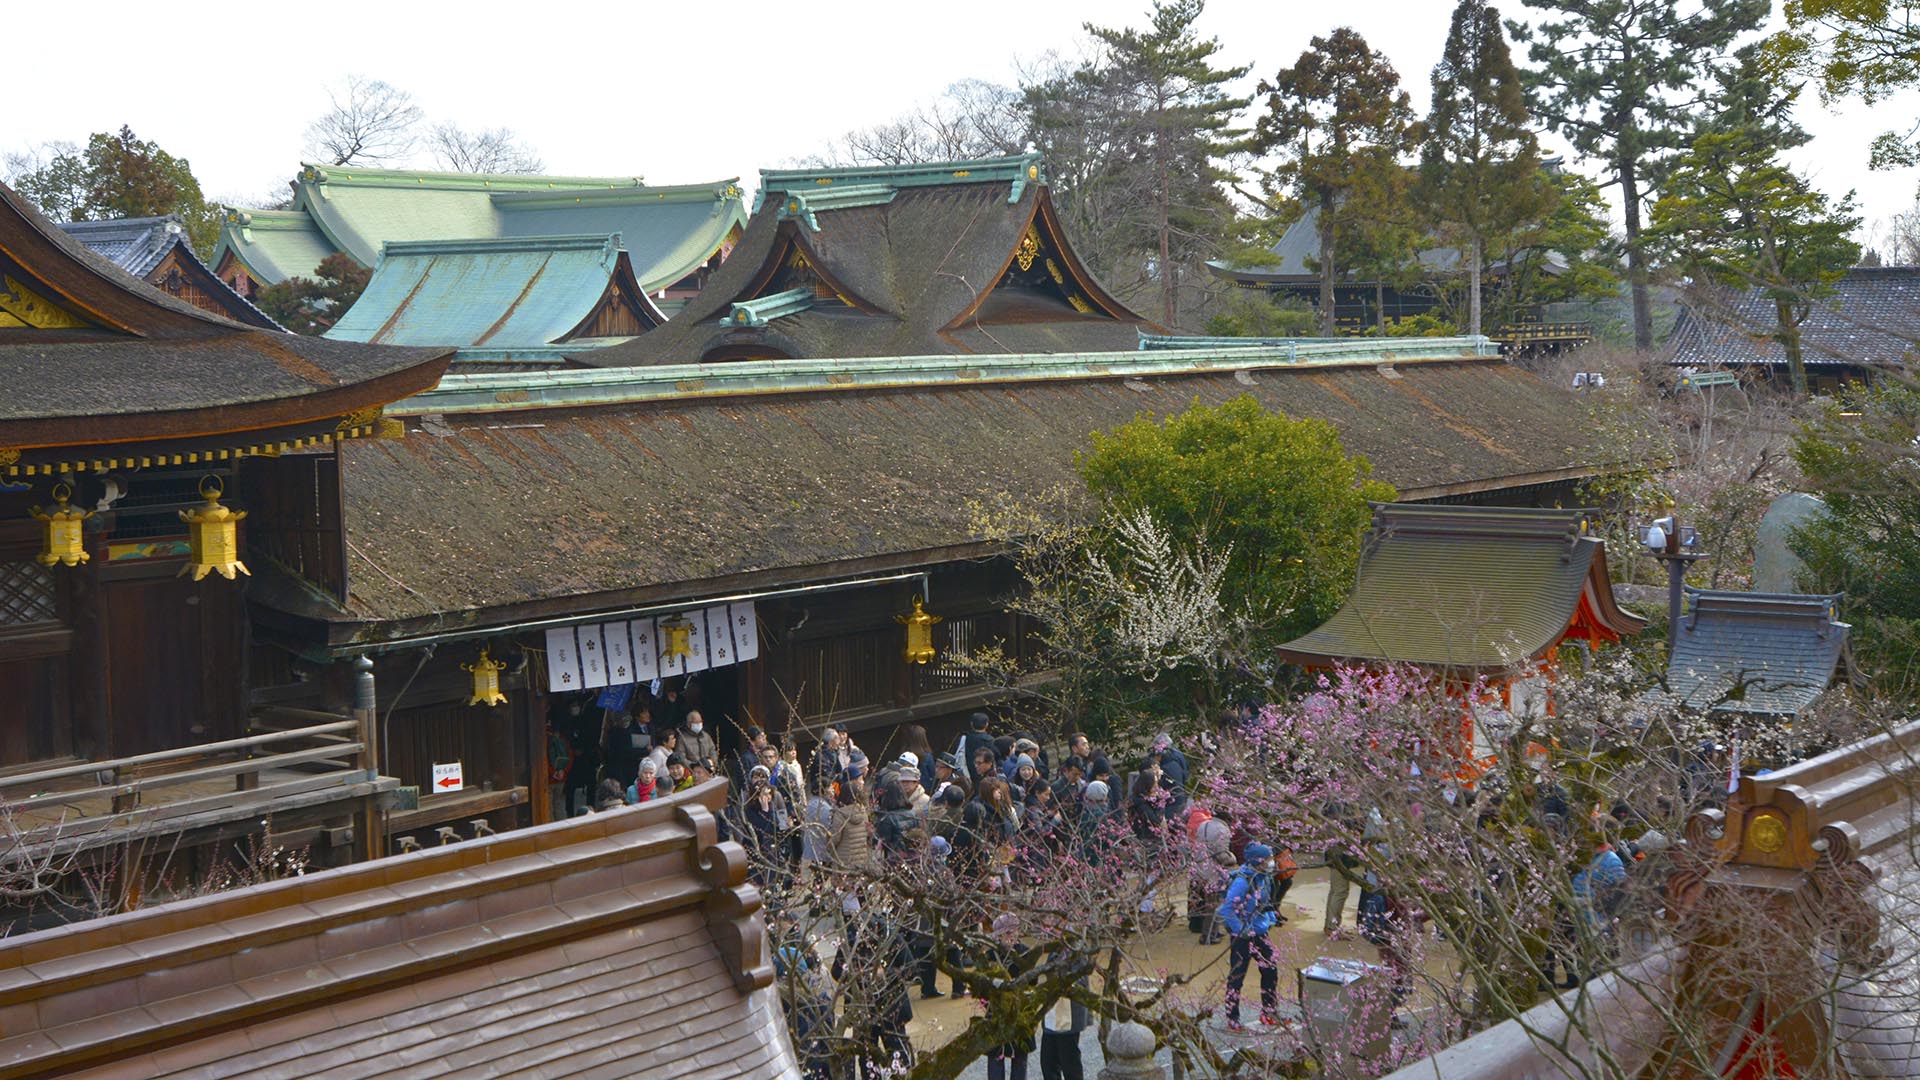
{"points": [[619, 944]]}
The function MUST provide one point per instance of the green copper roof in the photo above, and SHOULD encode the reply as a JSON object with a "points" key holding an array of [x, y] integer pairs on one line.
{"points": [[1017, 171], [516, 293], [273, 245], [759, 311], [1195, 341], [668, 231], [616, 385], [1467, 587], [803, 205]]}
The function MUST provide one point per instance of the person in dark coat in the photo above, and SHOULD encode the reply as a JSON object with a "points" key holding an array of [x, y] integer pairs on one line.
{"points": [[1174, 771], [971, 743]]}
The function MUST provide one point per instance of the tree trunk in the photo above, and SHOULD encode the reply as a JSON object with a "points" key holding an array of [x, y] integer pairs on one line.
{"points": [[1473, 286], [1326, 265], [1636, 258], [1789, 335], [1167, 305], [1380, 309]]}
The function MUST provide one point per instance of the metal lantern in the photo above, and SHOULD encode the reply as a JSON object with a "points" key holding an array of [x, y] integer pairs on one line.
{"points": [[919, 626], [486, 679], [679, 637], [63, 543], [213, 535]]}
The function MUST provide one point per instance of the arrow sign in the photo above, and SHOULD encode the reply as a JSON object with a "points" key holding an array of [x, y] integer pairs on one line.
{"points": [[447, 778]]}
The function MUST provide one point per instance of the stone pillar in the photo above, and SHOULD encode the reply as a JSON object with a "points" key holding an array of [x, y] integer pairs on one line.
{"points": [[1130, 1049]]}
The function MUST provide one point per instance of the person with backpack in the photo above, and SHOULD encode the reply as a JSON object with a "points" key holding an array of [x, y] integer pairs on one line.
{"points": [[1212, 860], [1248, 914]]}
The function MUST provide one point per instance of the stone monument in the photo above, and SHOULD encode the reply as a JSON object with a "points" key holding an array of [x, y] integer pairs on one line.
{"points": [[1775, 566]]}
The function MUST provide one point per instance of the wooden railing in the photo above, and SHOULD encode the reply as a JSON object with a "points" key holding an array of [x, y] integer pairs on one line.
{"points": [[1521, 335], [74, 807]]}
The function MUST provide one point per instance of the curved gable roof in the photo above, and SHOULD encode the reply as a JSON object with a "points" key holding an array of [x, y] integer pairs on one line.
{"points": [[502, 294], [669, 231], [915, 253], [148, 366], [1467, 587]]}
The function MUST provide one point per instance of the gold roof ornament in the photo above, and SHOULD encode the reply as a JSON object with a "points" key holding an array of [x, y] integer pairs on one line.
{"points": [[1028, 249], [213, 535], [63, 542], [486, 679], [919, 624]]}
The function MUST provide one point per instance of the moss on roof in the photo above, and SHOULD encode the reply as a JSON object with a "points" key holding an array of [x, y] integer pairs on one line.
{"points": [[670, 494]]}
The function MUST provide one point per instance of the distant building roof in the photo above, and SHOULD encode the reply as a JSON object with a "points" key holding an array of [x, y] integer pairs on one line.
{"points": [[1871, 318], [665, 483], [1294, 256], [135, 245], [668, 232], [1755, 652], [515, 297], [1469, 587], [628, 939], [98, 363], [141, 247], [948, 257]]}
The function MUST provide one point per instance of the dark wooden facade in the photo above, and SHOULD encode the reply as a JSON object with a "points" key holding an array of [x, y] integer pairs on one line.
{"points": [[128, 732]]}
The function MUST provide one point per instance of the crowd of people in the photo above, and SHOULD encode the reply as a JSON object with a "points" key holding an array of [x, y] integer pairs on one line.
{"points": [[996, 812]]}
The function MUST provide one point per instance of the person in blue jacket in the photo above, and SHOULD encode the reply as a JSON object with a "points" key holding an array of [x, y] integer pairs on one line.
{"points": [[1248, 914]]}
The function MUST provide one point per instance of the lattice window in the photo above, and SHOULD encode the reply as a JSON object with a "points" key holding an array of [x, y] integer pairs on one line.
{"points": [[27, 594]]}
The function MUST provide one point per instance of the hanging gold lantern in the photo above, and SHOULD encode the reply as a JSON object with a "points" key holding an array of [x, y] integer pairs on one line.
{"points": [[63, 544], [213, 535], [919, 633], [679, 637], [486, 679]]}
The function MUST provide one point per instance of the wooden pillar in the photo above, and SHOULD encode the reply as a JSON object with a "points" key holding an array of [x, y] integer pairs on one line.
{"points": [[532, 710], [90, 662], [367, 714]]}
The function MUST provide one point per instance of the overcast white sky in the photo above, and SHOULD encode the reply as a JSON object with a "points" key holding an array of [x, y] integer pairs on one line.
{"points": [[678, 92]]}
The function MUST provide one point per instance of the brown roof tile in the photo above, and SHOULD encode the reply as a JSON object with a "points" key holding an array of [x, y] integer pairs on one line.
{"points": [[602, 977], [666, 496]]}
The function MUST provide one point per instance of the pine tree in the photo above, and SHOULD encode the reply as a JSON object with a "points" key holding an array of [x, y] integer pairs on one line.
{"points": [[1175, 122], [1480, 165], [1735, 216], [1610, 76], [1340, 119]]}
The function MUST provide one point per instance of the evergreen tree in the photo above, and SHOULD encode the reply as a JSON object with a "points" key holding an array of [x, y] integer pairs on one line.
{"points": [[1154, 110], [118, 175], [1340, 120], [1609, 75], [312, 305], [1736, 217], [1480, 165]]}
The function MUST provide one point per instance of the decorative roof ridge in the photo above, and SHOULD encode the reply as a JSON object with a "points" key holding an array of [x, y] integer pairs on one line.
{"points": [[1019, 170], [718, 192], [1152, 342], [506, 391], [1820, 608], [269, 219], [607, 243], [763, 309], [1505, 522], [359, 176], [805, 205]]}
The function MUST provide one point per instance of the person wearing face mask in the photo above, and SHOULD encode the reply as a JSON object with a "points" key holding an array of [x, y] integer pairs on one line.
{"points": [[696, 742], [1248, 912]]}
